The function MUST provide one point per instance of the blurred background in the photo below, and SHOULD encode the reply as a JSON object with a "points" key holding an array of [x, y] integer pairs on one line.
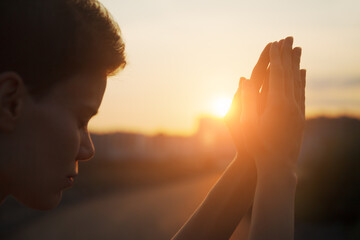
{"points": [[159, 136]]}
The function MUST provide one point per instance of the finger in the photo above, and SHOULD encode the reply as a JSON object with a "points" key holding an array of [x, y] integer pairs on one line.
{"points": [[264, 92], [241, 82], [276, 80], [235, 108], [286, 57], [249, 101], [265, 86], [281, 44], [232, 118], [249, 116], [259, 70], [296, 55], [302, 92]]}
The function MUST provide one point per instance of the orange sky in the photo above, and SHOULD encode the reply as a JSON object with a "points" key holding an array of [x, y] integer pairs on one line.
{"points": [[184, 55]]}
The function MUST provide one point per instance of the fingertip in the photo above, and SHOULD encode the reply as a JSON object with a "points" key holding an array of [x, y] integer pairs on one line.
{"points": [[274, 46], [265, 52], [290, 39], [296, 56], [297, 51], [287, 45], [281, 43], [242, 79], [246, 84], [303, 72], [275, 53], [268, 45]]}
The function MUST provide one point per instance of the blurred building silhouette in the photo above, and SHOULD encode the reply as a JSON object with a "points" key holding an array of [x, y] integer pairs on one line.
{"points": [[328, 166], [212, 142]]}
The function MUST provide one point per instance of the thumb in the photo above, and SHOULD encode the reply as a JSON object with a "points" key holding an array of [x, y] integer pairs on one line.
{"points": [[232, 118], [249, 116], [249, 100], [233, 115]]}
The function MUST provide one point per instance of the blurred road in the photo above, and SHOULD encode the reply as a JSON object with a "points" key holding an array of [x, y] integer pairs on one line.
{"points": [[155, 213]]}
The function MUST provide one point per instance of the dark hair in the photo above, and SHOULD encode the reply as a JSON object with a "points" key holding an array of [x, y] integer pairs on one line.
{"points": [[47, 41]]}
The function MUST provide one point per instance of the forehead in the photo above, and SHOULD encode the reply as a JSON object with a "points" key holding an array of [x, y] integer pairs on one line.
{"points": [[83, 90]]}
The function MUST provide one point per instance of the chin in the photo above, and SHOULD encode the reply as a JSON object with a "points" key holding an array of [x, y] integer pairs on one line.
{"points": [[42, 202]]}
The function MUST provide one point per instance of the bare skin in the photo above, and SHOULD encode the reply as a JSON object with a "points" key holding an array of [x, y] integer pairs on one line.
{"points": [[267, 129], [266, 126], [271, 125], [232, 196], [43, 141], [273, 138]]}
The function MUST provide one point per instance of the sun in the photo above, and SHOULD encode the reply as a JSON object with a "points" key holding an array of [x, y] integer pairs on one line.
{"points": [[221, 106]]}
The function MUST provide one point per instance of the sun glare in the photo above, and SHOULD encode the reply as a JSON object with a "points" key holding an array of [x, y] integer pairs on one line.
{"points": [[221, 106]]}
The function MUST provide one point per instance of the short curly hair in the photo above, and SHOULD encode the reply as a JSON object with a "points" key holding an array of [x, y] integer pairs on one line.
{"points": [[47, 41]]}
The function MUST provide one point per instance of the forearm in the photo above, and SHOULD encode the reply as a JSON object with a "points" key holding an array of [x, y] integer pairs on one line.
{"points": [[273, 209], [225, 205]]}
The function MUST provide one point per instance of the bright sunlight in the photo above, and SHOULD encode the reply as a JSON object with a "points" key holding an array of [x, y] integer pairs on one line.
{"points": [[221, 106]]}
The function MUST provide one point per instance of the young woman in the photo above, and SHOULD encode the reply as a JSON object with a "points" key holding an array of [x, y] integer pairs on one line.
{"points": [[54, 62]]}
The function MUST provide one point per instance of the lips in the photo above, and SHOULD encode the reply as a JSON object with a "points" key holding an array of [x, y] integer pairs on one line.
{"points": [[70, 180], [72, 175]]}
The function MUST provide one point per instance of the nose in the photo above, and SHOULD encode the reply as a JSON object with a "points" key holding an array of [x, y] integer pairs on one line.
{"points": [[86, 150]]}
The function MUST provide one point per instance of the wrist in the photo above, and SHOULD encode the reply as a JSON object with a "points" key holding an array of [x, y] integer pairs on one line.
{"points": [[279, 164], [243, 158], [280, 176]]}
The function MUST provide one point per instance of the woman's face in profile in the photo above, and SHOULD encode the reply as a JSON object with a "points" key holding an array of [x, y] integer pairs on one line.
{"points": [[51, 137]]}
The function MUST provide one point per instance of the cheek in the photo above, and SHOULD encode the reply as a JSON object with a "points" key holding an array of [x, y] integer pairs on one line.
{"points": [[51, 145], [57, 143], [64, 142], [60, 146]]}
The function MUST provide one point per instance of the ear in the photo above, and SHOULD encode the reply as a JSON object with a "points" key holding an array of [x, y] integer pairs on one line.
{"points": [[11, 89]]}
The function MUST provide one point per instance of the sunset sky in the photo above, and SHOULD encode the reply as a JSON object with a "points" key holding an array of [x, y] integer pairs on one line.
{"points": [[186, 56]]}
